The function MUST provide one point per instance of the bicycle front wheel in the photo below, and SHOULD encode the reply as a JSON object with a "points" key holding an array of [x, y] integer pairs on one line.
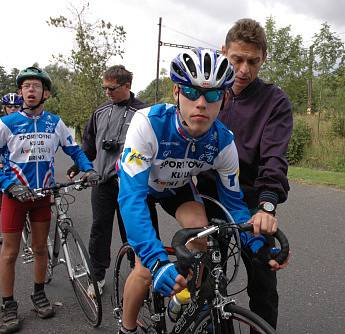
{"points": [[124, 264], [82, 277], [241, 321]]}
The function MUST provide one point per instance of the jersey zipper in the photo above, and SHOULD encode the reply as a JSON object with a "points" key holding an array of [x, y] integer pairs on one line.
{"points": [[190, 146], [35, 127]]}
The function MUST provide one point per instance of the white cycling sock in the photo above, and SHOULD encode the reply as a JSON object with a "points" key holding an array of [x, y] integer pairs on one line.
{"points": [[126, 331]]}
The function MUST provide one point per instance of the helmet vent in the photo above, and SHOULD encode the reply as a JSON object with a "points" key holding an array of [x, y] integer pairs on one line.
{"points": [[222, 68], [177, 69], [190, 64], [207, 66]]}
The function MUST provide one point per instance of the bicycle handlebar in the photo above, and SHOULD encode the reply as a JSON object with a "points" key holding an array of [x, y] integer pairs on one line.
{"points": [[78, 184], [185, 258], [283, 254]]}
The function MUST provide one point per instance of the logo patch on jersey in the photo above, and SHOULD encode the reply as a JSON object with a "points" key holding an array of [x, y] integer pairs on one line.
{"points": [[232, 177], [70, 139], [135, 157]]}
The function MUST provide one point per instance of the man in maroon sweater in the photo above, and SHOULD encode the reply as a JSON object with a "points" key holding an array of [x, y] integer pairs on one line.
{"points": [[259, 114]]}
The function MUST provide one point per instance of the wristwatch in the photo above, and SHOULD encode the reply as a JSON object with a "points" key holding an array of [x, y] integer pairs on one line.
{"points": [[268, 207]]}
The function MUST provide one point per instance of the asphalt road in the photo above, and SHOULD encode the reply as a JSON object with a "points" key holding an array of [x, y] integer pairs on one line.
{"points": [[312, 287]]}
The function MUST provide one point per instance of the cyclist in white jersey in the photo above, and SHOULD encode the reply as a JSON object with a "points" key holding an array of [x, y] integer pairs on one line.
{"points": [[165, 146], [29, 139]]}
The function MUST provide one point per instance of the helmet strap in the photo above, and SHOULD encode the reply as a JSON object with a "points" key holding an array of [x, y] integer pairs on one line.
{"points": [[179, 111]]}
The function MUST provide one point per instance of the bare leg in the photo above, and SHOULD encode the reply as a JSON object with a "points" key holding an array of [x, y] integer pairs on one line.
{"points": [[8, 257], [39, 235], [192, 215], [189, 214], [134, 294]]}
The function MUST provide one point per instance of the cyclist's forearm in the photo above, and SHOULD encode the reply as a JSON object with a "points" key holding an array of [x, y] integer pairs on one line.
{"points": [[78, 157], [136, 216]]}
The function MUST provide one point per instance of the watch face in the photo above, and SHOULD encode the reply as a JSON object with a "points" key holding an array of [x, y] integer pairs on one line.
{"points": [[268, 206]]}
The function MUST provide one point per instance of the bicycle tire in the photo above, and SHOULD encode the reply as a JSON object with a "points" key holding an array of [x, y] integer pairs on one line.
{"points": [[124, 264], [82, 276], [242, 321]]}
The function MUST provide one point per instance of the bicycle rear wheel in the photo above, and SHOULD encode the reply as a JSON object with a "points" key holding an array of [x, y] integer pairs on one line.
{"points": [[241, 321], [81, 275], [124, 264]]}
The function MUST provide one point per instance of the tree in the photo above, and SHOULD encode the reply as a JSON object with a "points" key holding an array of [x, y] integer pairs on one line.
{"points": [[286, 63], [96, 44], [8, 81], [165, 85], [328, 56]]}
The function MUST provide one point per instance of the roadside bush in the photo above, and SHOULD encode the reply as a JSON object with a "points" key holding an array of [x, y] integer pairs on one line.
{"points": [[301, 137], [338, 124]]}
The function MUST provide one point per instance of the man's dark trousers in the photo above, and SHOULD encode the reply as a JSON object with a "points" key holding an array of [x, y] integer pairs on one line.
{"points": [[104, 203]]}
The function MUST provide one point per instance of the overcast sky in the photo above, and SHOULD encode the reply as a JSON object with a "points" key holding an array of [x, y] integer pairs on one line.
{"points": [[26, 38]]}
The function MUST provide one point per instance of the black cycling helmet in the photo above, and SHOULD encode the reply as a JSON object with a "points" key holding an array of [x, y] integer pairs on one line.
{"points": [[34, 73]]}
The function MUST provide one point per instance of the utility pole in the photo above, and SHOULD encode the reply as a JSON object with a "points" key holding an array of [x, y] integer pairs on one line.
{"points": [[158, 58], [310, 106]]}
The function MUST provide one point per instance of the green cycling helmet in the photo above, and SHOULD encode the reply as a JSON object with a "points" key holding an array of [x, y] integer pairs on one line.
{"points": [[34, 73]]}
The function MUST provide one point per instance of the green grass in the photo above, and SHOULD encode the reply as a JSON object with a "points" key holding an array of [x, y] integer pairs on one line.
{"points": [[315, 176]]}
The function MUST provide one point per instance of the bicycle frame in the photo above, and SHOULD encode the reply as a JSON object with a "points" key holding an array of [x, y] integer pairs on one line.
{"points": [[59, 242], [212, 291]]}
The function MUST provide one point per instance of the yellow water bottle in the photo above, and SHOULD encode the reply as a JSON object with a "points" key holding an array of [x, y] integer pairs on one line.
{"points": [[175, 306]]}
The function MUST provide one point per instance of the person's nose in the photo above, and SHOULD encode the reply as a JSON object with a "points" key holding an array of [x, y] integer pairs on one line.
{"points": [[244, 68], [201, 102]]}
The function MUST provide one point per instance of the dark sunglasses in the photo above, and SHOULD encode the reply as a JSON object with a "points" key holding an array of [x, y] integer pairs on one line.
{"points": [[111, 89], [16, 106], [193, 94]]}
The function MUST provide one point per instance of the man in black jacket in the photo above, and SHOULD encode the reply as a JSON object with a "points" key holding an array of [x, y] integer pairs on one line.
{"points": [[103, 140], [259, 115]]}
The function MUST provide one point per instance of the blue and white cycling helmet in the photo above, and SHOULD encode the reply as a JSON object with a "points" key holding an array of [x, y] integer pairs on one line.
{"points": [[202, 68], [12, 99]]}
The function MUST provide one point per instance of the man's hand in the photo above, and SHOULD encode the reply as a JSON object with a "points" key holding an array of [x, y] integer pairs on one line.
{"points": [[90, 178], [20, 193], [275, 266], [263, 223], [72, 172], [167, 281], [265, 256]]}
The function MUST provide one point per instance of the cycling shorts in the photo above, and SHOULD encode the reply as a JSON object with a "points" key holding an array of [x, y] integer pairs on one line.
{"points": [[13, 213], [178, 196]]}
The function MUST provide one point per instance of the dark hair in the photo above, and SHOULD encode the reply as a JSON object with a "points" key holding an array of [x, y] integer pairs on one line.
{"points": [[118, 73], [248, 31]]}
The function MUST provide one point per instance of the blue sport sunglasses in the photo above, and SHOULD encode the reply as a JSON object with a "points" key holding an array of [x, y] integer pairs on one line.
{"points": [[210, 95]]}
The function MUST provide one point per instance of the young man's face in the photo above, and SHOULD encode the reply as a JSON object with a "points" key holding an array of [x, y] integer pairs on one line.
{"points": [[32, 90], [116, 92], [197, 116], [247, 60]]}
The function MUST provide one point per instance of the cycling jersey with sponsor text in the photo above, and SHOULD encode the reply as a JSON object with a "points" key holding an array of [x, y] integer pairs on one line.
{"points": [[28, 145], [159, 156]]}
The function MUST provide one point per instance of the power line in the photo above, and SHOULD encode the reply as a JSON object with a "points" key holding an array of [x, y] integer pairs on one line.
{"points": [[189, 36]]}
